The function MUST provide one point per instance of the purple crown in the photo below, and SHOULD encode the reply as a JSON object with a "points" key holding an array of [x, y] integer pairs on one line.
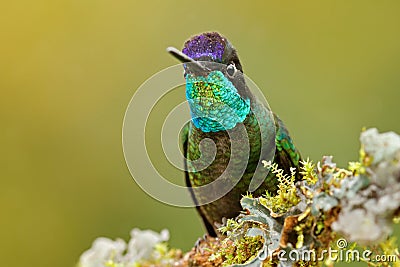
{"points": [[209, 44]]}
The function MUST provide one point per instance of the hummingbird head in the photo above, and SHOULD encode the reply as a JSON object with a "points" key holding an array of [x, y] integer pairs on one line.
{"points": [[215, 87], [212, 47]]}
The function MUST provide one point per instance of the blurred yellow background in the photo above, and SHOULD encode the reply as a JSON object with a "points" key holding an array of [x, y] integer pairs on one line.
{"points": [[69, 68]]}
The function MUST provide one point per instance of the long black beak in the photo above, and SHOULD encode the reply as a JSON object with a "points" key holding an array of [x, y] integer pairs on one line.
{"points": [[185, 59]]}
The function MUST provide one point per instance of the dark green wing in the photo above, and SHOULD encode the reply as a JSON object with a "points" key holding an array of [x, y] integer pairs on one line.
{"points": [[184, 141], [287, 155]]}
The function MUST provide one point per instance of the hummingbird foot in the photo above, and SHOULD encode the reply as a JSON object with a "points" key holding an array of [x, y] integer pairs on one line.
{"points": [[198, 245]]}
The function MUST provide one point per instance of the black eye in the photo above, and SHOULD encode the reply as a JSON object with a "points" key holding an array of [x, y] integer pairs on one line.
{"points": [[231, 69]]}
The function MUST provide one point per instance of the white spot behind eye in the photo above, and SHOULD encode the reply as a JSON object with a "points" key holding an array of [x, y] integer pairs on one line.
{"points": [[231, 69]]}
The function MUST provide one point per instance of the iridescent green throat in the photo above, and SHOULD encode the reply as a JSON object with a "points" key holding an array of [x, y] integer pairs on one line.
{"points": [[215, 103]]}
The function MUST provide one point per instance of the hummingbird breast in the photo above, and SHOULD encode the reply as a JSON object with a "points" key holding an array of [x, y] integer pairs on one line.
{"points": [[227, 206]]}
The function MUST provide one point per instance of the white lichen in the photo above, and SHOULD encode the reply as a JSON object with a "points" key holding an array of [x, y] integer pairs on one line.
{"points": [[102, 250], [366, 213], [384, 149], [142, 244], [140, 247]]}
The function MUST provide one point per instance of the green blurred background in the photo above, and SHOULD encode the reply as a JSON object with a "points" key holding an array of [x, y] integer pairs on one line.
{"points": [[69, 68]]}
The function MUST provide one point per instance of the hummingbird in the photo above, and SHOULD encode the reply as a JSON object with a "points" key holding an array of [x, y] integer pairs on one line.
{"points": [[240, 131]]}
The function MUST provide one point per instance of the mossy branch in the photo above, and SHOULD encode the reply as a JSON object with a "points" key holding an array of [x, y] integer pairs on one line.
{"points": [[346, 210]]}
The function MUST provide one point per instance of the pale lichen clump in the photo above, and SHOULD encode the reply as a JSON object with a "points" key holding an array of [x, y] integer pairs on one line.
{"points": [[306, 218], [367, 214], [145, 248]]}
